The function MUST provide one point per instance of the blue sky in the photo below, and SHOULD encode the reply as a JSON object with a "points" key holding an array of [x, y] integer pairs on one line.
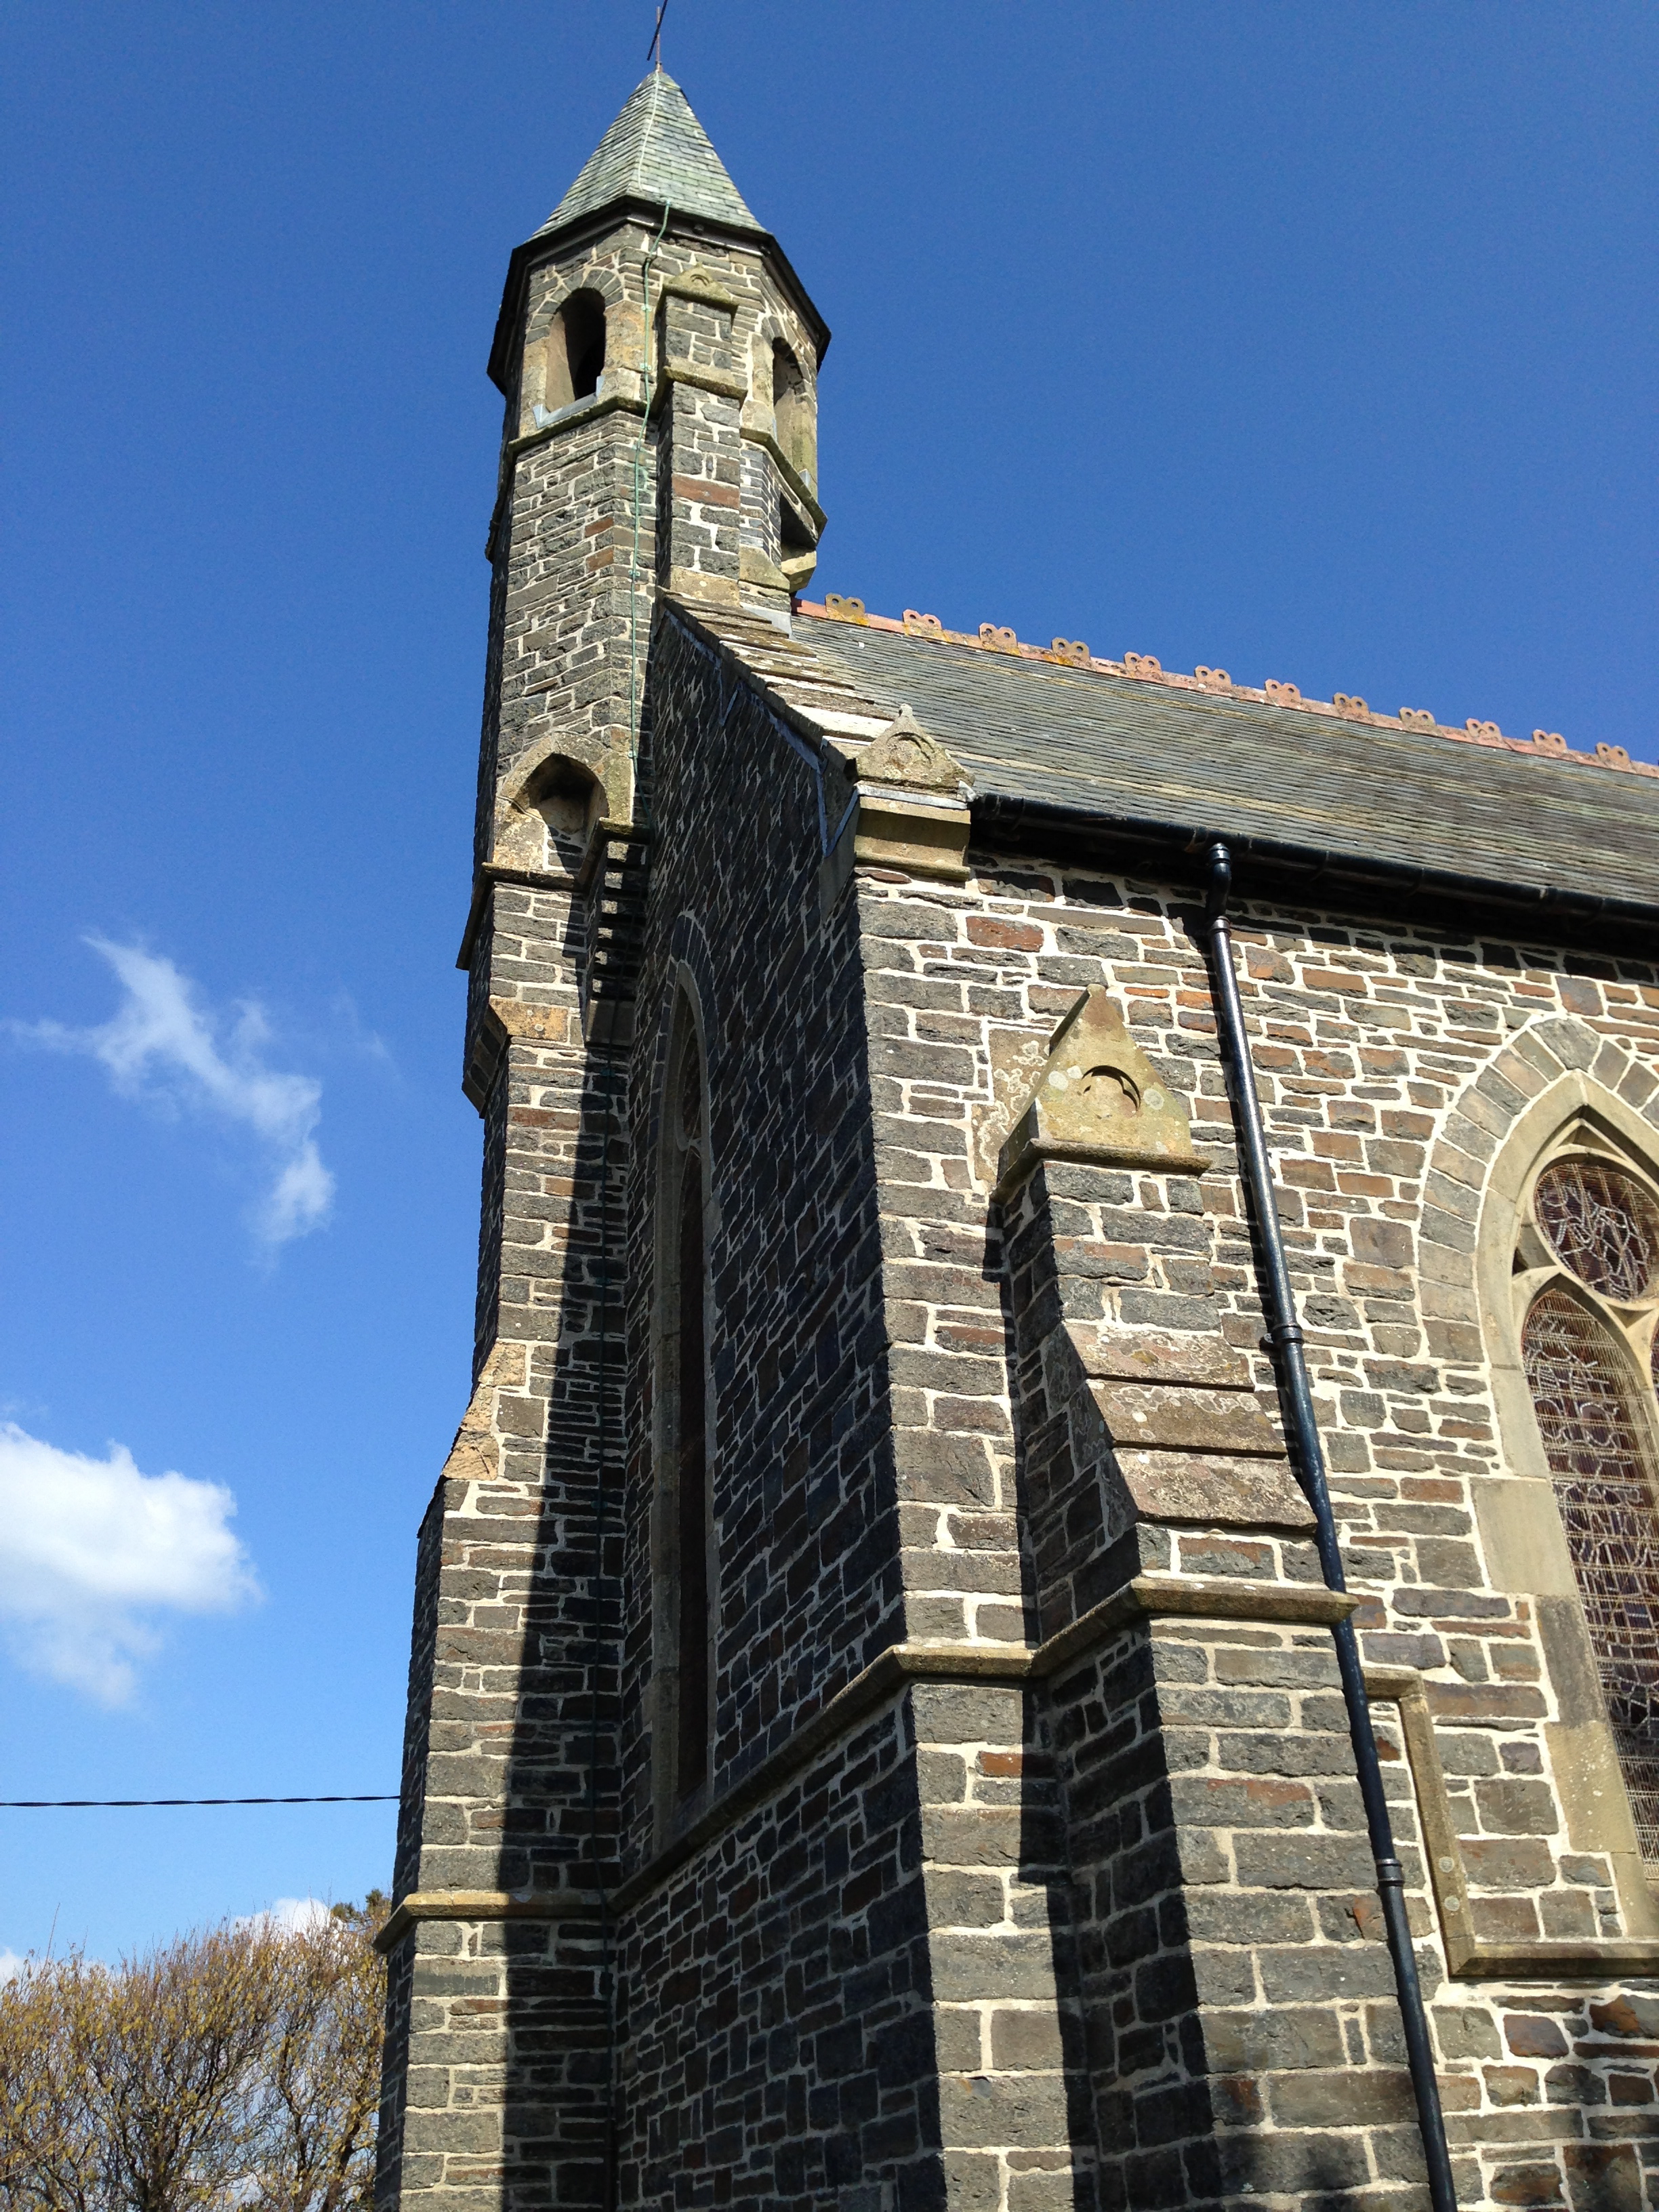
{"points": [[1304, 341]]}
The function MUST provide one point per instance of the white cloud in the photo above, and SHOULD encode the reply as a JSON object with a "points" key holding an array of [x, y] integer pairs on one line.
{"points": [[90, 1549], [12, 1963], [163, 1046], [288, 1916]]}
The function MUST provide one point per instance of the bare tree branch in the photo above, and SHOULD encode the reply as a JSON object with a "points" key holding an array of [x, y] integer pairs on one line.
{"points": [[236, 2067]]}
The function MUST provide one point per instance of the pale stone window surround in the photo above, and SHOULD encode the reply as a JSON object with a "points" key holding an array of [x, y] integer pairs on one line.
{"points": [[779, 418], [783, 403], [792, 413], [569, 346], [1579, 1110], [687, 1032], [548, 805]]}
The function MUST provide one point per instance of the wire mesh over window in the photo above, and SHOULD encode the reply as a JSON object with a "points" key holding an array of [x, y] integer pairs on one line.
{"points": [[1602, 1224], [1592, 1439]]}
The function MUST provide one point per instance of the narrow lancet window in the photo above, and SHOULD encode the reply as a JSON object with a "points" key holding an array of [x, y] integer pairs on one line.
{"points": [[1594, 1438], [565, 363], [690, 1443]]}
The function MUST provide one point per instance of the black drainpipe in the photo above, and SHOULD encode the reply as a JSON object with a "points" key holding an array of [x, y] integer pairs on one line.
{"points": [[1292, 1368]]}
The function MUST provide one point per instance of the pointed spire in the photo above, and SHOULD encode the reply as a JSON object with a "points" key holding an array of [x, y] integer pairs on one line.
{"points": [[656, 151]]}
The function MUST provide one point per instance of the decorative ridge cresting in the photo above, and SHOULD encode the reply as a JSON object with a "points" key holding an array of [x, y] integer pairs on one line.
{"points": [[1144, 667]]}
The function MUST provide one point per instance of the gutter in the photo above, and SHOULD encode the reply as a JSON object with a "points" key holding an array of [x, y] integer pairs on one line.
{"points": [[1034, 824], [1278, 1305]]}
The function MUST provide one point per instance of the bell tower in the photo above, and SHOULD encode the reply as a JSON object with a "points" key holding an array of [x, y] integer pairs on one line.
{"points": [[658, 359]]}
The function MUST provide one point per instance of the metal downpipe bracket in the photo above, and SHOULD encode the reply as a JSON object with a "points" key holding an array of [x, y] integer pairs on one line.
{"points": [[1292, 1368]]}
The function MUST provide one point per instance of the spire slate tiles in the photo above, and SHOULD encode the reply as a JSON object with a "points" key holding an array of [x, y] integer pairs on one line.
{"points": [[656, 151]]}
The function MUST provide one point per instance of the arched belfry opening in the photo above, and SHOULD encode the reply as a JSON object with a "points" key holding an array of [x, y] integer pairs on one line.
{"points": [[565, 364], [794, 423], [582, 318]]}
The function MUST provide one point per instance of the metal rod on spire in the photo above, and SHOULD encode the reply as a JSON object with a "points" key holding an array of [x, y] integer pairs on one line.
{"points": [[653, 51]]}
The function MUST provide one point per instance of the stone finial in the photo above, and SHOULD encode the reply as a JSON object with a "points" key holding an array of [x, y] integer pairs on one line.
{"points": [[912, 815], [1142, 664], [905, 754], [1417, 718], [1097, 1099], [1071, 650], [1283, 694]]}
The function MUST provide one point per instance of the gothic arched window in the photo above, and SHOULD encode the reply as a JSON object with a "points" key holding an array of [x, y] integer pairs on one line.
{"points": [[565, 363], [684, 1609], [1592, 1363]]}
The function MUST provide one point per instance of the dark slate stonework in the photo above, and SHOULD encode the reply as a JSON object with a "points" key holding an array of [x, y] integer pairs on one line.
{"points": [[810, 1587], [1028, 1870]]}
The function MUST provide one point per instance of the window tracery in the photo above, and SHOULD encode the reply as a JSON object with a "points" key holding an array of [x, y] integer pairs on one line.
{"points": [[1591, 1357], [1602, 1223]]}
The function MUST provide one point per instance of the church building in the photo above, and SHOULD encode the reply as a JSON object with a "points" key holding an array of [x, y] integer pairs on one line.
{"points": [[1048, 1599]]}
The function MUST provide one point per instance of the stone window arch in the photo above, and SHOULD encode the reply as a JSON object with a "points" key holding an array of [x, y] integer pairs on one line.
{"points": [[1586, 1288], [565, 362], [684, 1547], [1556, 1087], [793, 414]]}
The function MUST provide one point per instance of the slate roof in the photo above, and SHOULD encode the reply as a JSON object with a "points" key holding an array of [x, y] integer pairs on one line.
{"points": [[1134, 750], [656, 151], [1053, 753]]}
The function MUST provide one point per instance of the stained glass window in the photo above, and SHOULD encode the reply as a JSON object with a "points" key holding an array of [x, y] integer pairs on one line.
{"points": [[1602, 1224], [1593, 1434]]}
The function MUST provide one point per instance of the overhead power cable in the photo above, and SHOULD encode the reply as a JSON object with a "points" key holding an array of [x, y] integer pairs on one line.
{"points": [[105, 1804]]}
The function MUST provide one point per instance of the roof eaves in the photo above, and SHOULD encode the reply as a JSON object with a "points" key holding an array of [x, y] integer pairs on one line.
{"points": [[1008, 823]]}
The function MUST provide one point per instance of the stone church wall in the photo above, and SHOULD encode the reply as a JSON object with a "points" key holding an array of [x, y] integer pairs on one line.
{"points": [[1007, 1940], [1241, 2017], [809, 1590], [772, 1960]]}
